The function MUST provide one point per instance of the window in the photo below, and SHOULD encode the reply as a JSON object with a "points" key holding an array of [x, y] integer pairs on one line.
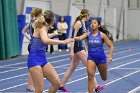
{"points": [[134, 4]]}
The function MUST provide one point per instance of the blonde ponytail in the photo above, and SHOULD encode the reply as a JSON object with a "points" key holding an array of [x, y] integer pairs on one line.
{"points": [[40, 22]]}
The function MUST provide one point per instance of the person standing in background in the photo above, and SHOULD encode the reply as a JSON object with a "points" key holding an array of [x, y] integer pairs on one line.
{"points": [[62, 27], [51, 30]]}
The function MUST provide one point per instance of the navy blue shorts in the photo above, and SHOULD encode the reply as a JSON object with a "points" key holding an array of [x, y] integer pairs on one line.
{"points": [[77, 49], [97, 58]]}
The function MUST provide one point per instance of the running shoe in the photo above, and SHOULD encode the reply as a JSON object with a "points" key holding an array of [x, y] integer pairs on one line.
{"points": [[64, 89], [100, 88]]}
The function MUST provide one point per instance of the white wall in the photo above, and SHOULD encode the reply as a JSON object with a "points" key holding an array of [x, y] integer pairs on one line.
{"points": [[93, 6], [44, 4], [116, 4], [60, 7], [133, 24], [110, 21], [128, 22], [20, 6]]}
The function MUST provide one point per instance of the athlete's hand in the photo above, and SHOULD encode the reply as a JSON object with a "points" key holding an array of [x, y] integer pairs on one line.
{"points": [[109, 59], [69, 40], [55, 33]]}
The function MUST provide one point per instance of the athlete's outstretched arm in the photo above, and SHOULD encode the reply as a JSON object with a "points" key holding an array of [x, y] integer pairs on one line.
{"points": [[46, 40], [84, 36], [52, 34]]}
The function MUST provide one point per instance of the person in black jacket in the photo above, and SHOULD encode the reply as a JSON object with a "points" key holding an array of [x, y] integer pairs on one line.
{"points": [[51, 30]]}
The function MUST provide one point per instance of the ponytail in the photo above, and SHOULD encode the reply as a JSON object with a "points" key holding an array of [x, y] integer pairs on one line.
{"points": [[104, 30], [83, 13], [78, 18], [39, 22]]}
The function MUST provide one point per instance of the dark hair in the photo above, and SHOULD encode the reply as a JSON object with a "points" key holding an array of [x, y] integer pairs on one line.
{"points": [[102, 28], [49, 17], [99, 22], [60, 19], [105, 31]]}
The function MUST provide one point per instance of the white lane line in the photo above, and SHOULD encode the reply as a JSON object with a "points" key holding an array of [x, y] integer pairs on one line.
{"points": [[79, 78], [126, 56], [13, 77], [12, 70], [113, 81], [26, 61], [26, 74], [68, 59], [26, 67], [112, 68], [108, 70], [44, 78], [128, 68], [13, 86], [59, 56], [135, 90]]}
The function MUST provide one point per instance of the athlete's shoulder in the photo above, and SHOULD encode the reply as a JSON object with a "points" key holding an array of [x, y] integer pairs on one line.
{"points": [[103, 35]]}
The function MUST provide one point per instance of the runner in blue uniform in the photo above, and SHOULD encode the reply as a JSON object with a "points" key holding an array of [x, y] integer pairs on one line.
{"points": [[96, 54], [37, 60]]}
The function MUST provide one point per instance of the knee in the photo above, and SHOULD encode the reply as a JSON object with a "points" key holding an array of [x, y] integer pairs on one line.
{"points": [[57, 83], [90, 77]]}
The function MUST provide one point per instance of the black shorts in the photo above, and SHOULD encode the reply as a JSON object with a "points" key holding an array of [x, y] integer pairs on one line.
{"points": [[29, 47], [77, 49]]}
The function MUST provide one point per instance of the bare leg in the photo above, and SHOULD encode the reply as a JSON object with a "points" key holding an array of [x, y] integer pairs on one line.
{"points": [[91, 69], [38, 78], [83, 57], [30, 82], [51, 75], [96, 84], [103, 71], [74, 64]]}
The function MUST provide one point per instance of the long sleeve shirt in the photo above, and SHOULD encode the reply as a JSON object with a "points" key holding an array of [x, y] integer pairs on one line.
{"points": [[62, 27]]}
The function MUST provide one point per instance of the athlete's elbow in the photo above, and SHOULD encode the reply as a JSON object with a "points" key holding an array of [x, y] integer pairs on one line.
{"points": [[23, 32], [112, 47]]}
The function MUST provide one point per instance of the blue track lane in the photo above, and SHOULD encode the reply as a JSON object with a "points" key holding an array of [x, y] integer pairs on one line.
{"points": [[123, 72]]}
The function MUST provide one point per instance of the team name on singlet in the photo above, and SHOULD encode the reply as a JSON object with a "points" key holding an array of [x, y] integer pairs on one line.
{"points": [[95, 43]]}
